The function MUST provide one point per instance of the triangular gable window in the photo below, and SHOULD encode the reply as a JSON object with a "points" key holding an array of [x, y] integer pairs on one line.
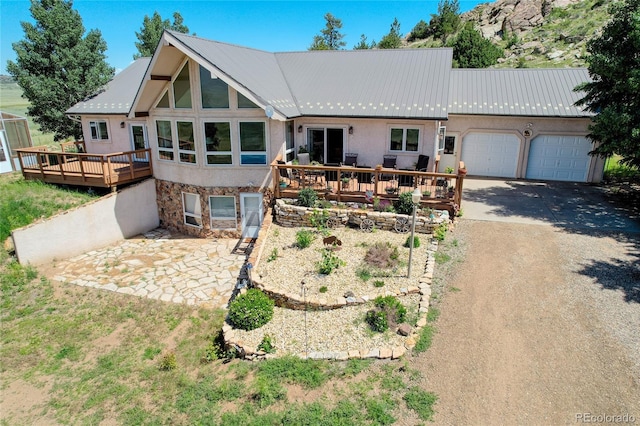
{"points": [[215, 92], [182, 88], [244, 102], [164, 101]]}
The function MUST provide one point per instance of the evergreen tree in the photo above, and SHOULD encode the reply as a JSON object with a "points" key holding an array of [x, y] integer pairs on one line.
{"points": [[393, 39], [56, 67], [364, 44], [447, 21], [614, 92], [151, 31], [330, 37], [420, 31], [471, 50]]}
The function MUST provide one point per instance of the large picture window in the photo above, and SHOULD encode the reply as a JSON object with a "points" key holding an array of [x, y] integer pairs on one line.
{"points": [[191, 209], [99, 130], [404, 139], [186, 142], [253, 144], [182, 88], [218, 143], [215, 92], [165, 140], [223, 212]]}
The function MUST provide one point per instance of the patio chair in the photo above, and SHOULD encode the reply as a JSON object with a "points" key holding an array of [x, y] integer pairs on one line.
{"points": [[350, 159], [284, 173], [422, 165], [305, 160], [388, 162]]}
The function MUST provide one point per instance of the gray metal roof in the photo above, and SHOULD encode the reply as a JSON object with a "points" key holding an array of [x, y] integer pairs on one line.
{"points": [[402, 83], [118, 95], [410, 83], [524, 92]]}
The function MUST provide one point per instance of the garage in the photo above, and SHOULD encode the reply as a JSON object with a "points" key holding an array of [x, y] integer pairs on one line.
{"points": [[491, 154], [558, 157]]}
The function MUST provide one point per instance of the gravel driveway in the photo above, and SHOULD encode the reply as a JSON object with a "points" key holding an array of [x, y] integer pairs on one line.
{"points": [[545, 328]]}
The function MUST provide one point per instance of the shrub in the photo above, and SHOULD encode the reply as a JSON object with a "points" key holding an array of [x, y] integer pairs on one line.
{"points": [[440, 232], [251, 310], [329, 262], [267, 344], [168, 361], [323, 289], [404, 205], [304, 238], [382, 255], [273, 256], [378, 283], [377, 320], [319, 219], [307, 197], [416, 242], [364, 274]]}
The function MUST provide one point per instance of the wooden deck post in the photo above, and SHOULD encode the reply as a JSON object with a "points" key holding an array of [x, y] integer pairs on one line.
{"points": [[275, 177]]}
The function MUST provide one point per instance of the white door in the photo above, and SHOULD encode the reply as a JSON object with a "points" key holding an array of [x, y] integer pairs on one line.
{"points": [[5, 157], [138, 135], [251, 213], [491, 154], [448, 154], [555, 157]]}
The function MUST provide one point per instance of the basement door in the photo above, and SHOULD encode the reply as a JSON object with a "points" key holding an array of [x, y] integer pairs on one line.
{"points": [[251, 213]]}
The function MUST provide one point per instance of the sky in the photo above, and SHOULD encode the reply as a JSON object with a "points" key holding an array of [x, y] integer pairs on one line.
{"points": [[274, 26]]}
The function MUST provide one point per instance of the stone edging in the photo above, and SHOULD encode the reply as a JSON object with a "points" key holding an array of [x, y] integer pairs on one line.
{"points": [[423, 288]]}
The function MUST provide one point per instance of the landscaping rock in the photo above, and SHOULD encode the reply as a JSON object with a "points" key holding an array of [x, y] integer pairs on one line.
{"points": [[404, 329]]}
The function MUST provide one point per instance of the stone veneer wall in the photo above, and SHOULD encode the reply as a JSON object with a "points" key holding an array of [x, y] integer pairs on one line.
{"points": [[294, 216], [169, 198]]}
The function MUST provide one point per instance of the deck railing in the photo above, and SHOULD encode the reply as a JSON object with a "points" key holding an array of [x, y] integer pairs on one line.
{"points": [[361, 184], [103, 170]]}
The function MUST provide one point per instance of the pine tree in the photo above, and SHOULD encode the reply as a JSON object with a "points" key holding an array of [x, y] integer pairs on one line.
{"points": [[471, 50], [447, 21], [330, 37], [151, 31], [56, 67], [614, 92], [393, 39], [364, 44]]}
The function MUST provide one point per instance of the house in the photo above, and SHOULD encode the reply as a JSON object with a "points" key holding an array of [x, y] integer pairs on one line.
{"points": [[216, 115]]}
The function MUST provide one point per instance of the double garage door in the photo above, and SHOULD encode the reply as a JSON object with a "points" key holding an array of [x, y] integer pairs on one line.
{"points": [[551, 157]]}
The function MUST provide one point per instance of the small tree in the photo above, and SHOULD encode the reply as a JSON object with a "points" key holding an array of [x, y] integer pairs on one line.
{"points": [[471, 50], [364, 44], [151, 31], [446, 21], [614, 92], [330, 37], [393, 39], [56, 66], [420, 31]]}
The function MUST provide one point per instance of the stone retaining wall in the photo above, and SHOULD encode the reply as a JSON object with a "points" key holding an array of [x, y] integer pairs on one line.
{"points": [[290, 215], [169, 198], [293, 302]]}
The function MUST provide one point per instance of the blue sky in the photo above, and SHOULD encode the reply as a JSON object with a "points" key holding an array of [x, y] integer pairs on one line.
{"points": [[268, 25]]}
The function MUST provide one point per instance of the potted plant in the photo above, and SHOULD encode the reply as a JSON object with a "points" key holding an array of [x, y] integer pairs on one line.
{"points": [[391, 190], [345, 182], [283, 183]]}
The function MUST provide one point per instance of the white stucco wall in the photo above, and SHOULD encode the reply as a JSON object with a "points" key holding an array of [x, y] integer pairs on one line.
{"points": [[118, 141], [112, 218]]}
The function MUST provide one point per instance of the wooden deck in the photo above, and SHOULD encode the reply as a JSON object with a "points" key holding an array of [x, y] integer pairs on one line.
{"points": [[361, 185], [98, 170]]}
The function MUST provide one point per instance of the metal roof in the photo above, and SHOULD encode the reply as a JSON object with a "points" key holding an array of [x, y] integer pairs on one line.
{"points": [[523, 92], [402, 83], [117, 97]]}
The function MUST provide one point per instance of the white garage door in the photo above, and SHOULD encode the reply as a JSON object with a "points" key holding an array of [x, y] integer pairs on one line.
{"points": [[491, 154], [554, 157]]}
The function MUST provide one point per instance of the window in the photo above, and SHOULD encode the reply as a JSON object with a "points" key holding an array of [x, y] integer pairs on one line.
{"points": [[223, 212], [186, 142], [244, 102], [218, 143], [165, 140], [182, 88], [403, 139], [164, 101], [98, 130], [253, 144], [215, 92], [191, 209], [449, 145]]}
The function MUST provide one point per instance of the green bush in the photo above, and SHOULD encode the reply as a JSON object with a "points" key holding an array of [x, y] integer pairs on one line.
{"points": [[440, 232], [404, 205], [267, 344], [364, 274], [307, 197], [378, 283], [323, 289], [416, 242], [304, 238], [377, 320], [329, 262], [251, 310]]}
